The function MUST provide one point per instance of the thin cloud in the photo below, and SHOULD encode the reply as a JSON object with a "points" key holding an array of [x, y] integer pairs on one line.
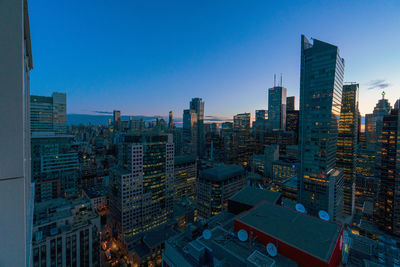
{"points": [[378, 84], [103, 112]]}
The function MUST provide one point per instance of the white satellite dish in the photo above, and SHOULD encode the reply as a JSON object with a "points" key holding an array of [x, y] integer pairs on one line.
{"points": [[300, 208], [207, 234], [323, 215], [242, 235], [272, 250]]}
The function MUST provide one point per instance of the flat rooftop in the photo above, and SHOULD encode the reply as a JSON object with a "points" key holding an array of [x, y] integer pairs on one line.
{"points": [[222, 172], [306, 233], [184, 159], [252, 196]]}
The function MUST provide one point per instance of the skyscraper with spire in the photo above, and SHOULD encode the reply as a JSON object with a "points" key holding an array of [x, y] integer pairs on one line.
{"points": [[321, 81]]}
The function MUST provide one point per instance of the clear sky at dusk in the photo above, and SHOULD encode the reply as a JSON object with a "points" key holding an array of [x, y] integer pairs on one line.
{"points": [[149, 57]]}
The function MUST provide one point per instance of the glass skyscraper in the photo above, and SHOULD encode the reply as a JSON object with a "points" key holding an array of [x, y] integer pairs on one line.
{"points": [[321, 81], [347, 144], [277, 107]]}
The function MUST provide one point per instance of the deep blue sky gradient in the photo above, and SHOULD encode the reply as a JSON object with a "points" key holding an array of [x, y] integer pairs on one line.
{"points": [[149, 57]]}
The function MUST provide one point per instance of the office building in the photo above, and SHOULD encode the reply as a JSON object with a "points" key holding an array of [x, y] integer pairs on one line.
{"points": [[290, 103], [277, 107], [215, 186], [185, 174], [366, 184], [346, 155], [261, 115], [321, 81], [16, 200], [66, 233], [197, 104], [141, 194], [190, 132], [117, 120], [48, 114], [292, 122], [373, 122], [388, 170], [55, 166]]}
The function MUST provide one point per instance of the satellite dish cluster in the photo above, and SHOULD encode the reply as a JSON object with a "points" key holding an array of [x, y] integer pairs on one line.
{"points": [[323, 215]]}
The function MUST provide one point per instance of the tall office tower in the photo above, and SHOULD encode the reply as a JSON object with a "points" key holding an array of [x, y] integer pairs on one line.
{"points": [[321, 81], [185, 174], [15, 179], [48, 114], [241, 121], [66, 233], [117, 120], [388, 170], [397, 104], [366, 182], [197, 104], [290, 103], [142, 189], [277, 107], [346, 155], [190, 132], [373, 122], [292, 122], [215, 186], [171, 123], [55, 166]]}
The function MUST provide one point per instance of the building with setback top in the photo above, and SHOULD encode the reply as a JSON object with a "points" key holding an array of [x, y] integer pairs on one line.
{"points": [[321, 81]]}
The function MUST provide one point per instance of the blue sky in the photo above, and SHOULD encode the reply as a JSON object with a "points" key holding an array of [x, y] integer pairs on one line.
{"points": [[149, 57]]}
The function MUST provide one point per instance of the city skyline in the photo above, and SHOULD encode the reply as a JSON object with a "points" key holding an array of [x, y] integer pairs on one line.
{"points": [[215, 55]]}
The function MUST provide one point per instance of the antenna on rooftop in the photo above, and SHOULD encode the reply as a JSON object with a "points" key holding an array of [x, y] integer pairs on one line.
{"points": [[274, 80], [243, 235], [281, 79]]}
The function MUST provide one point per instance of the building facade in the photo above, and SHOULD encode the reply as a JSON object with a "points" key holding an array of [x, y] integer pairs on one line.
{"points": [[16, 199], [185, 174], [49, 114]]}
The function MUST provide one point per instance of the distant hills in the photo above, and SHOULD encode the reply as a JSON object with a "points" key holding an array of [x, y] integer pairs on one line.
{"points": [[76, 119]]}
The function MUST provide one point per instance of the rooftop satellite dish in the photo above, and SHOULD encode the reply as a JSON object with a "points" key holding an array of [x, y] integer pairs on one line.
{"points": [[300, 208], [323, 215], [272, 250], [243, 235], [206, 234]]}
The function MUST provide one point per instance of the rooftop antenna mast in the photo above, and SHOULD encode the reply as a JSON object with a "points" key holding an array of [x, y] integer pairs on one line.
{"points": [[274, 80], [281, 79]]}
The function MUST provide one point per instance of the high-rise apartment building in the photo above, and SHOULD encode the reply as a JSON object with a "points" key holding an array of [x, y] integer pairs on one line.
{"points": [[49, 114], [290, 103], [346, 155], [15, 179], [388, 170], [55, 166], [141, 197], [277, 107], [197, 104], [117, 120], [321, 81]]}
